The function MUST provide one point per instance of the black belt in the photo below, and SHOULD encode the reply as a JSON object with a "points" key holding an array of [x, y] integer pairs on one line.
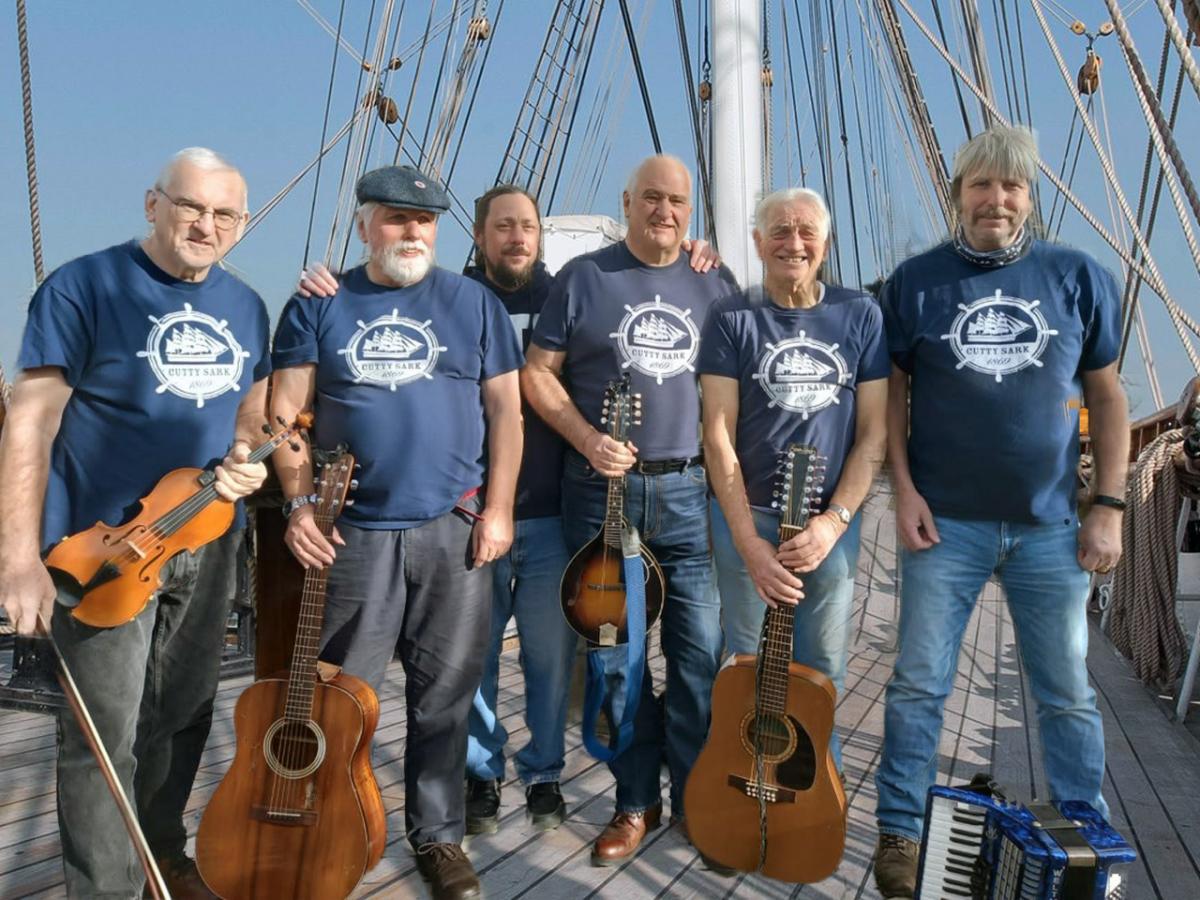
{"points": [[663, 466]]}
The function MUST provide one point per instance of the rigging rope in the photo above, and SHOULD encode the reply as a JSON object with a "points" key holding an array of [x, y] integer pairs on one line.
{"points": [[437, 83], [412, 91], [1149, 270], [35, 215], [312, 209], [475, 92], [690, 88], [641, 76], [1160, 131], [1180, 42]]}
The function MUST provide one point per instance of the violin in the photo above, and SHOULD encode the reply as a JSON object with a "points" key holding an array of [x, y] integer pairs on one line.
{"points": [[116, 569]]}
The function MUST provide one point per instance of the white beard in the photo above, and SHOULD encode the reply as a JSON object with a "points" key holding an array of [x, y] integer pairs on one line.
{"points": [[404, 270]]}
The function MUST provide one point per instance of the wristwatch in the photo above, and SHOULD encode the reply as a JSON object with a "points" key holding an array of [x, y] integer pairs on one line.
{"points": [[1109, 501], [841, 512], [290, 506]]}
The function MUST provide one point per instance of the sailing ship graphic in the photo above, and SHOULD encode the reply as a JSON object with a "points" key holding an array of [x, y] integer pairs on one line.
{"points": [[191, 345], [994, 327], [389, 344], [800, 366], [655, 331]]}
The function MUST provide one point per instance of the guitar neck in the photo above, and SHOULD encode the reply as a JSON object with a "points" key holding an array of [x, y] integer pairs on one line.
{"points": [[776, 652], [302, 677]]}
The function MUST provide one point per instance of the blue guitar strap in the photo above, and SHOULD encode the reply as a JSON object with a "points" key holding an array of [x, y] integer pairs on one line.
{"points": [[615, 670]]}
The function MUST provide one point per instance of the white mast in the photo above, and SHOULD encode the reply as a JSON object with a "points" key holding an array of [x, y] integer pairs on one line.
{"points": [[737, 182]]}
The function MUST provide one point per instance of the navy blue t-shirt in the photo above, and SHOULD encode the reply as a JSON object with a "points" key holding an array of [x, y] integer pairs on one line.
{"points": [[399, 380], [996, 357], [798, 372], [540, 482], [157, 367], [613, 314]]}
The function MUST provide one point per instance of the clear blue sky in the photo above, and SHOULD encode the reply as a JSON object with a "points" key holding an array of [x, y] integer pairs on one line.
{"points": [[119, 86]]}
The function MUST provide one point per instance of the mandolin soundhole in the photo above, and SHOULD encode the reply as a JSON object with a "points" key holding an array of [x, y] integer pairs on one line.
{"points": [[294, 749]]}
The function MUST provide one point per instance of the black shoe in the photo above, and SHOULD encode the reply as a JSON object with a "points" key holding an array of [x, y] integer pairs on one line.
{"points": [[544, 805], [448, 871], [483, 806]]}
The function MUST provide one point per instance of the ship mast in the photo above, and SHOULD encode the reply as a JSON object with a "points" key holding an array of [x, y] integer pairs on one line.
{"points": [[737, 132]]}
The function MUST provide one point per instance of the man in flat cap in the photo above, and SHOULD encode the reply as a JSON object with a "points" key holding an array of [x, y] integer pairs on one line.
{"points": [[415, 369]]}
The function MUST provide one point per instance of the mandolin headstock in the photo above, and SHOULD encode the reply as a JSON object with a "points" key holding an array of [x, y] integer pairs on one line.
{"points": [[621, 409]]}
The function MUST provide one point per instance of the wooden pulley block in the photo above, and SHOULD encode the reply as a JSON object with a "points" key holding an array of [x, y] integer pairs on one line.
{"points": [[386, 107], [480, 29], [768, 77], [1106, 29], [705, 90], [1088, 81], [1078, 27], [395, 64]]}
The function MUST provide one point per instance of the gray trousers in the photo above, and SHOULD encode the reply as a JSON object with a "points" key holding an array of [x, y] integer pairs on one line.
{"points": [[149, 686], [414, 589]]}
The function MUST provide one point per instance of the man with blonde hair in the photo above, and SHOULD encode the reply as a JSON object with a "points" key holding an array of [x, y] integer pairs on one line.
{"points": [[996, 339], [137, 360]]}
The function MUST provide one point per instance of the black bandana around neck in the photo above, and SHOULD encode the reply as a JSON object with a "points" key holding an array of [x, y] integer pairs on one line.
{"points": [[993, 259]]}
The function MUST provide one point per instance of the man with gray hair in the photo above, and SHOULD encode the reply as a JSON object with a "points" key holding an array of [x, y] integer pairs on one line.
{"points": [[996, 339], [637, 307], [136, 360], [415, 368], [793, 361]]}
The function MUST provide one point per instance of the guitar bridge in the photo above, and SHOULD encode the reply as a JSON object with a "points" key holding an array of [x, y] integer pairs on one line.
{"points": [[283, 816], [769, 792]]}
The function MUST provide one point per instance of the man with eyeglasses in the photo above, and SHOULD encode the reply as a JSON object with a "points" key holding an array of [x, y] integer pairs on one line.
{"points": [[136, 360]]}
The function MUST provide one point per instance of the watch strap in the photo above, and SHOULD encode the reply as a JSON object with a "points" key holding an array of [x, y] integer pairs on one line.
{"points": [[1109, 501]]}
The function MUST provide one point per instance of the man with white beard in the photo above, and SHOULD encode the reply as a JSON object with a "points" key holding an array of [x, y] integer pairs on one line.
{"points": [[415, 369]]}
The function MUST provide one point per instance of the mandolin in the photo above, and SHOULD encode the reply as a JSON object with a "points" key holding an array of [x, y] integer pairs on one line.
{"points": [[299, 814], [116, 568], [592, 591], [764, 794]]}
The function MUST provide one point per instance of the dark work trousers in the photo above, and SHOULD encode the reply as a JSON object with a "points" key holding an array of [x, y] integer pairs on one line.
{"points": [[415, 586], [149, 686]]}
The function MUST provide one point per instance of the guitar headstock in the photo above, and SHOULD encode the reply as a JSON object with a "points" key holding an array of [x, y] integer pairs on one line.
{"points": [[333, 485], [801, 474], [621, 409]]}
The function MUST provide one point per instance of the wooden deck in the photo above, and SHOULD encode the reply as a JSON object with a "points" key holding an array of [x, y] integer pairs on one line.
{"points": [[1153, 781]]}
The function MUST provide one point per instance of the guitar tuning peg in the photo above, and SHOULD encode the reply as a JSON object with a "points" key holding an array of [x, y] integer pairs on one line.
{"points": [[604, 420], [774, 505], [637, 396], [349, 502], [354, 484]]}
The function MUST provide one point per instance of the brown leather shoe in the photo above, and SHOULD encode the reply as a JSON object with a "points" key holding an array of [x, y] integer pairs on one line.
{"points": [[448, 871], [182, 878], [623, 835]]}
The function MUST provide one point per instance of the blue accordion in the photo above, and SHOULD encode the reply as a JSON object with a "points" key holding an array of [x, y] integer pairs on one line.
{"points": [[980, 845]]}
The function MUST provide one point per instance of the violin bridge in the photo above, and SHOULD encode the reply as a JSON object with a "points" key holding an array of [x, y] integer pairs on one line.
{"points": [[141, 554]]}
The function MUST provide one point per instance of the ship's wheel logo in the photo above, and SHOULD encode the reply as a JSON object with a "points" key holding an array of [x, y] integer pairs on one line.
{"points": [[392, 350], [193, 355], [802, 374], [658, 339], [999, 335]]}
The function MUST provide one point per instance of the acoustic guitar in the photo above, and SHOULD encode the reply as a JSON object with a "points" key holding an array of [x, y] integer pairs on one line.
{"points": [[764, 794], [592, 591], [299, 814], [116, 569]]}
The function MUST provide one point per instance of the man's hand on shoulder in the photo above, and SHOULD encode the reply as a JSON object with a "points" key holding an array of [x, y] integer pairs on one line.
{"points": [[1100, 540], [914, 521], [491, 536], [26, 592], [701, 255], [317, 281]]}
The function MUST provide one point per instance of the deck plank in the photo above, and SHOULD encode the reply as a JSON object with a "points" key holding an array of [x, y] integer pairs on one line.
{"points": [[1153, 774]]}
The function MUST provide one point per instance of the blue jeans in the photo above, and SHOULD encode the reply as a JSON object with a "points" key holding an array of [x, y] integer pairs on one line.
{"points": [[1047, 596], [525, 584], [822, 621], [670, 512]]}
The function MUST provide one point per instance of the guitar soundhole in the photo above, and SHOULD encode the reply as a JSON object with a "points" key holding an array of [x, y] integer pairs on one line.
{"points": [[770, 735], [784, 744], [294, 749]]}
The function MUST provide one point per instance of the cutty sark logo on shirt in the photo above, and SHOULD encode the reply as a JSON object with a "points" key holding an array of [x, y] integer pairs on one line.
{"points": [[999, 335], [193, 355], [392, 350], [802, 374], [657, 339]]}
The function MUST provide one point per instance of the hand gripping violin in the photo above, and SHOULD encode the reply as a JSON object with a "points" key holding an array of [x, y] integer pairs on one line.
{"points": [[116, 568]]}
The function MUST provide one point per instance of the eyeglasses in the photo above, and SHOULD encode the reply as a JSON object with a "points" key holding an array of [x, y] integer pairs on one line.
{"points": [[187, 211]]}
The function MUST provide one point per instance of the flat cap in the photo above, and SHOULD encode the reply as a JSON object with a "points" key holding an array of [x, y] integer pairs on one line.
{"points": [[402, 186]]}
